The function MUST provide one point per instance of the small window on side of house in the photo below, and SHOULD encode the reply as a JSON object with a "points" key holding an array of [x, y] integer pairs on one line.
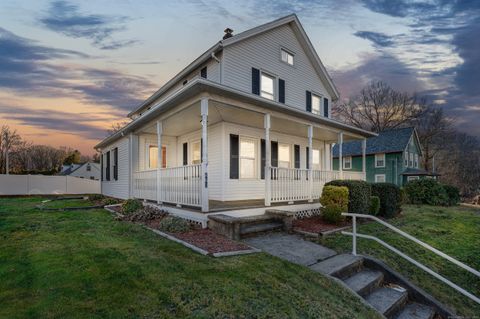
{"points": [[347, 162], [267, 86], [380, 160], [284, 155], [406, 159], [410, 160], [412, 178], [196, 152], [380, 178], [416, 160], [287, 57], [316, 159], [316, 104], [247, 157], [89, 168]]}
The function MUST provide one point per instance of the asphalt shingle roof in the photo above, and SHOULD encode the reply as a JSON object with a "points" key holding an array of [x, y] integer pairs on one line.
{"points": [[390, 141]]}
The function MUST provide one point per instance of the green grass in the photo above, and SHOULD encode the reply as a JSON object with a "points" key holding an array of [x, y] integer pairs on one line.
{"points": [[86, 265], [68, 203], [453, 230]]}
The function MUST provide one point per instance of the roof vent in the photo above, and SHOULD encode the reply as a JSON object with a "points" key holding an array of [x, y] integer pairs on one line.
{"points": [[228, 33]]}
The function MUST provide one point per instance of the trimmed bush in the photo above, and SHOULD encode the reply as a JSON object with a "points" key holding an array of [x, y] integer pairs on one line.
{"points": [[332, 214], [131, 205], [359, 193], [374, 205], [390, 198], [174, 224], [109, 201], [426, 191], [453, 195], [335, 196]]}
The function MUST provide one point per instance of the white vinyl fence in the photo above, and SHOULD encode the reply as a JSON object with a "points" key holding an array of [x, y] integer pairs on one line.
{"points": [[46, 185]]}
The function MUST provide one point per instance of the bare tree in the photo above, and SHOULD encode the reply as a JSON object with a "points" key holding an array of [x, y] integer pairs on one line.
{"points": [[379, 108], [115, 127], [9, 140]]}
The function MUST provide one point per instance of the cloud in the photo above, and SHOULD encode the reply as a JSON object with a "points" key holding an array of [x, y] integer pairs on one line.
{"points": [[28, 67], [66, 18], [379, 39]]}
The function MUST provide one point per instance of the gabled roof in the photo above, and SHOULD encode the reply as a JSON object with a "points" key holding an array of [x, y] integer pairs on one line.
{"points": [[391, 141], [297, 28]]}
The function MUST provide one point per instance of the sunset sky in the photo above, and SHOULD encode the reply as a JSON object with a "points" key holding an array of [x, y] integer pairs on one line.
{"points": [[69, 69]]}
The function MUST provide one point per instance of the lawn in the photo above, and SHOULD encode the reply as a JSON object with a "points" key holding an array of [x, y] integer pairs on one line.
{"points": [[454, 230], [84, 264]]}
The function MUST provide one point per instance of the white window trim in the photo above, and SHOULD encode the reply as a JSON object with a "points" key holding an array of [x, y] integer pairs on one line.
{"points": [[380, 175], [412, 178], [255, 157], [288, 52], [274, 95], [349, 161], [384, 160]]}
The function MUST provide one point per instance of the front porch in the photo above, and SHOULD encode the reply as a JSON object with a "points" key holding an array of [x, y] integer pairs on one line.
{"points": [[222, 155]]}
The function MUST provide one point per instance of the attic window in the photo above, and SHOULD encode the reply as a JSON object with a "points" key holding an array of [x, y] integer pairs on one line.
{"points": [[287, 57]]}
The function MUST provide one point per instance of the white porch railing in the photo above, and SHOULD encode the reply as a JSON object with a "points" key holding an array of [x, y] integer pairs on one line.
{"points": [[320, 178], [145, 184], [181, 185], [348, 175]]}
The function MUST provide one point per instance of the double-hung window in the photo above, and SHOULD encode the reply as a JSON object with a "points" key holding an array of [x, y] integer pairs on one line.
{"points": [[287, 57], [416, 160], [267, 86], [380, 160], [380, 178], [412, 178], [316, 104], [405, 158], [410, 160], [153, 156], [316, 159], [347, 162], [284, 155], [247, 157], [196, 152]]}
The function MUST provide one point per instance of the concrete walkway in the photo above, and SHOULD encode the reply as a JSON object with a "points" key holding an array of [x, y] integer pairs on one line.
{"points": [[291, 248]]}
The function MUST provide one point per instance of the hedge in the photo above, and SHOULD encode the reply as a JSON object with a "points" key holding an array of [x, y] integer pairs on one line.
{"points": [[335, 202], [390, 198], [374, 205], [426, 191], [453, 194], [359, 193]]}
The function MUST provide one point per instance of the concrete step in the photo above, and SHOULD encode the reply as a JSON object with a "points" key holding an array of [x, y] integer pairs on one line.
{"points": [[387, 301], [416, 311], [255, 228], [340, 266], [365, 281]]}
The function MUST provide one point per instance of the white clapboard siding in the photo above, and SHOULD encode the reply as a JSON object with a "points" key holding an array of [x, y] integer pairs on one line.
{"points": [[118, 188], [263, 52]]}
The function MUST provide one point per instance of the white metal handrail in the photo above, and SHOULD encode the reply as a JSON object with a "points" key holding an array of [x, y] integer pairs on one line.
{"points": [[354, 235]]}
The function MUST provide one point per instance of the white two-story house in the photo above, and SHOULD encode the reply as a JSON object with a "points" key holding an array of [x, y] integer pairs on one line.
{"points": [[247, 122]]}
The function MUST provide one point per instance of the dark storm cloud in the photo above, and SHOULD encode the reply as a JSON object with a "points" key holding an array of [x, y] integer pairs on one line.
{"points": [[379, 39]]}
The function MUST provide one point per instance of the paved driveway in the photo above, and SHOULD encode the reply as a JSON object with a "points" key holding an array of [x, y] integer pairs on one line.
{"points": [[291, 247]]}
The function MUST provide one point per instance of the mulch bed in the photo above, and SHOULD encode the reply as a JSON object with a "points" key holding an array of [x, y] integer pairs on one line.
{"points": [[210, 241], [317, 225]]}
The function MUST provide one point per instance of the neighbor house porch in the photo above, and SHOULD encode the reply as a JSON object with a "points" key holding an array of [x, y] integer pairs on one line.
{"points": [[223, 154]]}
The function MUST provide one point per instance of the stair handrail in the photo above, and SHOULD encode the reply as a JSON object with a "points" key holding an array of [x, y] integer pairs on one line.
{"points": [[355, 234]]}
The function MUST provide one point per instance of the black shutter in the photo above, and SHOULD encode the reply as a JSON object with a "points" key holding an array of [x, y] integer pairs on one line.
{"points": [[185, 154], [263, 152], [296, 155], [307, 161], [234, 160], [256, 81], [281, 91], [309, 101], [107, 171], [203, 72], [325, 107], [274, 152], [115, 163], [101, 167]]}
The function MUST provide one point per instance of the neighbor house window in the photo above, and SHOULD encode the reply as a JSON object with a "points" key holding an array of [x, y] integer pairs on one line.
{"points": [[196, 152], [316, 104], [89, 168], [153, 156], [379, 160], [412, 178], [380, 178], [247, 158], [267, 86], [284, 155], [405, 157], [287, 57], [347, 162], [410, 161], [316, 159], [416, 160]]}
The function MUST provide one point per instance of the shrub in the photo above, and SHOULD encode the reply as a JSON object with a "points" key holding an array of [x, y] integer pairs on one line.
{"points": [[95, 197], [109, 201], [335, 196], [332, 214], [131, 205], [374, 205], [173, 224], [359, 193], [453, 195], [390, 198], [426, 191], [147, 213]]}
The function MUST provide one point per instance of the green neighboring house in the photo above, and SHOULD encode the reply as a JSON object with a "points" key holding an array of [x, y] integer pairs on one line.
{"points": [[393, 156]]}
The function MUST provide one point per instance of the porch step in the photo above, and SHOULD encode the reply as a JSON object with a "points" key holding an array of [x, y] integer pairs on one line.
{"points": [[259, 227], [416, 311], [387, 301], [340, 266], [365, 281]]}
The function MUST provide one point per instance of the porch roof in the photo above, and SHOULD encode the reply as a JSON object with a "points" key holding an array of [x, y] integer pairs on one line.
{"points": [[201, 85]]}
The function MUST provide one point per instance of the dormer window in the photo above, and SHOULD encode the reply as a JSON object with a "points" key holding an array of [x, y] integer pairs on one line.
{"points": [[287, 57], [267, 86]]}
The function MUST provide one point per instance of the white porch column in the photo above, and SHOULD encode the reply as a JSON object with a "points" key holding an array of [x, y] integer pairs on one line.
{"points": [[268, 161], [130, 169], [364, 158], [325, 156], [159, 159], [340, 154], [204, 113], [310, 163]]}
